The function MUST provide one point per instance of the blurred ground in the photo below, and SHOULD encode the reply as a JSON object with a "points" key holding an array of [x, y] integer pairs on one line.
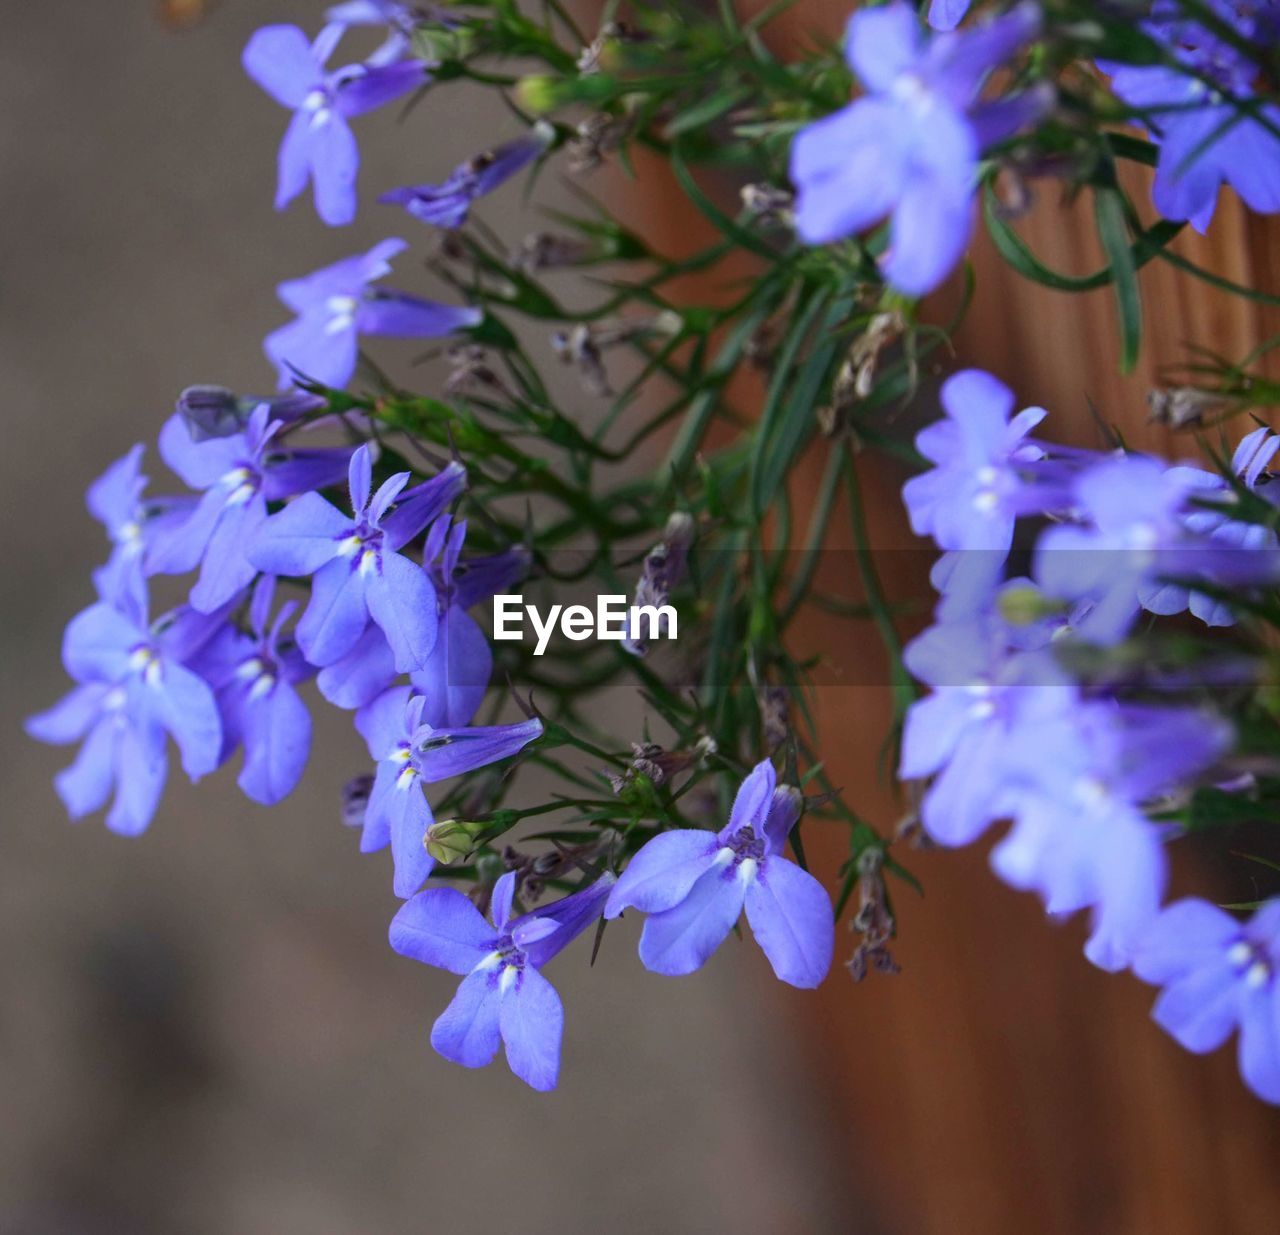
{"points": [[203, 1030]]}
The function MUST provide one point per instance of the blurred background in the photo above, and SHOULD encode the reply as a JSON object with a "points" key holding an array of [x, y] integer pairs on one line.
{"points": [[203, 1030]]}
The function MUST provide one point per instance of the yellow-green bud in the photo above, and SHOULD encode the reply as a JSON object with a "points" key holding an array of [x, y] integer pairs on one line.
{"points": [[538, 94], [1021, 606], [453, 840]]}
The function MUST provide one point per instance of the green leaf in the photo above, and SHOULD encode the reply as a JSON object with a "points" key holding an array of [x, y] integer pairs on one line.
{"points": [[1151, 243], [1113, 232], [1214, 808], [706, 110], [789, 418]]}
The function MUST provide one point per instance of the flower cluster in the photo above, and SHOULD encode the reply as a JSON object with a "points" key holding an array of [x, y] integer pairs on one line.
{"points": [[1086, 765], [338, 537]]}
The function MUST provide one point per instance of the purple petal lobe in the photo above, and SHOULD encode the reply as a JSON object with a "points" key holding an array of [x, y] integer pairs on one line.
{"points": [[531, 1020], [791, 917], [662, 872], [681, 939], [467, 1030], [441, 927]]}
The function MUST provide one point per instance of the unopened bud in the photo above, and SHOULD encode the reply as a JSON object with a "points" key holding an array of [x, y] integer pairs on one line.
{"points": [[452, 840]]}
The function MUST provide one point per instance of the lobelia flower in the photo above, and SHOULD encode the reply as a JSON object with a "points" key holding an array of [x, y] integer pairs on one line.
{"points": [[359, 575], [989, 681], [694, 885], [133, 688], [909, 148], [239, 474], [1225, 534], [318, 145], [1138, 539], [1218, 974], [254, 677], [133, 525], [979, 486], [336, 305], [411, 752], [503, 996], [458, 670], [1081, 838], [448, 204], [1205, 141]]}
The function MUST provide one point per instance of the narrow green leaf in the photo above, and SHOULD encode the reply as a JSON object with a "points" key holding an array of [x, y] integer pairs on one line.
{"points": [[1113, 232]]}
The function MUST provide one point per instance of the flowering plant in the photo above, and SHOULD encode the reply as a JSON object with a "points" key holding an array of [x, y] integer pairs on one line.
{"points": [[349, 530]]}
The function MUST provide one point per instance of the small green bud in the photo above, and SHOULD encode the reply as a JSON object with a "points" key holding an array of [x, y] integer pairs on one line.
{"points": [[455, 840], [539, 94], [1021, 606]]}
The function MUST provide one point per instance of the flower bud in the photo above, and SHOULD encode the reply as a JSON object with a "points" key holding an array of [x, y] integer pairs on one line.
{"points": [[454, 840]]}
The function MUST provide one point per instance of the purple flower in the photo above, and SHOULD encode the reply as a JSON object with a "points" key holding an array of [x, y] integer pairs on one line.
{"points": [[947, 14], [1226, 537], [457, 672], [979, 485], [336, 305], [239, 475], [909, 149], [254, 677], [1218, 974], [447, 205], [133, 525], [358, 572], [503, 996], [133, 688], [1081, 839], [1136, 541], [694, 885], [319, 146], [412, 753], [1204, 140], [990, 682]]}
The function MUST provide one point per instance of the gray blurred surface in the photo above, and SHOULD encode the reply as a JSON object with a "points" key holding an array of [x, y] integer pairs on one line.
{"points": [[204, 1030]]}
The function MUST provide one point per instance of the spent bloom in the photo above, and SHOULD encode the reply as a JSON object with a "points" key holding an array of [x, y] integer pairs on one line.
{"points": [[695, 884], [239, 474], [134, 686], [1205, 139], [448, 204], [1218, 975], [215, 411], [909, 148], [318, 145], [336, 305], [359, 573], [255, 676], [503, 996]]}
